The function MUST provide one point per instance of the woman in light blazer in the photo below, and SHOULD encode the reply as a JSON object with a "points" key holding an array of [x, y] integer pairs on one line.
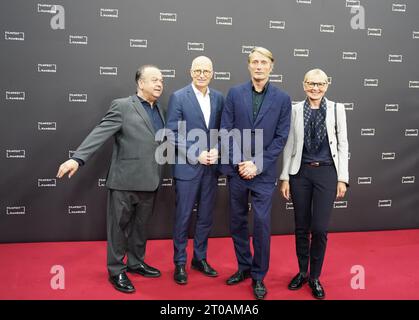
{"points": [[315, 173]]}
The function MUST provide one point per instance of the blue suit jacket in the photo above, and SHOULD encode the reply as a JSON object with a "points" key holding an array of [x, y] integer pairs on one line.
{"points": [[184, 106], [273, 118]]}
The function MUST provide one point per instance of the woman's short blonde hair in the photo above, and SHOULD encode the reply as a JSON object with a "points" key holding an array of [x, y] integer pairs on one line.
{"points": [[317, 72]]}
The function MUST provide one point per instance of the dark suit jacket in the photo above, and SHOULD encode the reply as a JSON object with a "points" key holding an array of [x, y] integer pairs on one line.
{"points": [[184, 106], [273, 118], [133, 166]]}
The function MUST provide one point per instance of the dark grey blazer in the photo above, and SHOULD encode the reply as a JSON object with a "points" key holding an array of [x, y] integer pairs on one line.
{"points": [[133, 166]]}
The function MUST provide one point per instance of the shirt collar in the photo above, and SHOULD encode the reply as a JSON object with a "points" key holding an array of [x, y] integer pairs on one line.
{"points": [[197, 92], [145, 101], [263, 90]]}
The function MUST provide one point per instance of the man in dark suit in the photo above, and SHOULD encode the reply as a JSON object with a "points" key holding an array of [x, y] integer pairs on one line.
{"points": [[195, 110], [133, 176], [260, 112]]}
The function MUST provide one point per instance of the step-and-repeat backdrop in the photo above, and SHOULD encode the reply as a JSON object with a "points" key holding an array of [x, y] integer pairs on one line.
{"points": [[63, 62]]}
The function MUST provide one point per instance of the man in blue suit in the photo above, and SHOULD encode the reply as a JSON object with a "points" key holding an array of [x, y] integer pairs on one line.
{"points": [[194, 116], [260, 112]]}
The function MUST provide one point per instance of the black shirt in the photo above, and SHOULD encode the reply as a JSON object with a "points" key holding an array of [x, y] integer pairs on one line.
{"points": [[153, 113], [257, 99]]}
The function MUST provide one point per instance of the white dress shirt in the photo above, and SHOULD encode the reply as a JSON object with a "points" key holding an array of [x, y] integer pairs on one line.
{"points": [[204, 103]]}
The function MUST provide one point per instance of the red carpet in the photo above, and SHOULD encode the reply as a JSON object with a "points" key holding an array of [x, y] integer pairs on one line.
{"points": [[390, 260]]}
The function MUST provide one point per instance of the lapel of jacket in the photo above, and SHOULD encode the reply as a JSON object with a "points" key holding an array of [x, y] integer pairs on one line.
{"points": [[267, 102], [160, 113], [142, 113], [248, 100], [195, 104], [213, 110], [299, 118], [330, 118]]}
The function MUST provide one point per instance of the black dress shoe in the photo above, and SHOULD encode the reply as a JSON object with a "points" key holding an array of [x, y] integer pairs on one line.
{"points": [[316, 288], [238, 277], [204, 267], [122, 283], [259, 289], [145, 270], [297, 282], [180, 275]]}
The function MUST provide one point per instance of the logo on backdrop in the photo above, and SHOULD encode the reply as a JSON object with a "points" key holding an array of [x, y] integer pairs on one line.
{"points": [[414, 84], [138, 43], [247, 49], [77, 39], [77, 209], [391, 107], [47, 182], [340, 204], [330, 28], [388, 156], [398, 7], [77, 97], [301, 52], [16, 210], [196, 46], [109, 13], [367, 132], [15, 154], [275, 78], [14, 35], [349, 55], [304, 1], [221, 75], [289, 206], [47, 126], [364, 180], [411, 132], [227, 21], [47, 67], [108, 71], [15, 95], [273, 24], [370, 82], [167, 182], [168, 73], [222, 181], [375, 32], [349, 106], [384, 203], [408, 179], [395, 58], [165, 16]]}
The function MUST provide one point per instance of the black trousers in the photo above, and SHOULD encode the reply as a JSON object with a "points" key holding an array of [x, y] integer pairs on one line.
{"points": [[127, 218], [313, 191]]}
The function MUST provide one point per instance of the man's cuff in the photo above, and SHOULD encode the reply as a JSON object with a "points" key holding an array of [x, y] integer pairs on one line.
{"points": [[79, 161]]}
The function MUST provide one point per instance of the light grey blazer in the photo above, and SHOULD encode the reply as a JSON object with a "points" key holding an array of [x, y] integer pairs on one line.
{"points": [[338, 141], [133, 166]]}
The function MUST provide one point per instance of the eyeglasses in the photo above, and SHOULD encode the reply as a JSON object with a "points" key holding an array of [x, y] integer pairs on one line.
{"points": [[311, 85], [197, 73]]}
